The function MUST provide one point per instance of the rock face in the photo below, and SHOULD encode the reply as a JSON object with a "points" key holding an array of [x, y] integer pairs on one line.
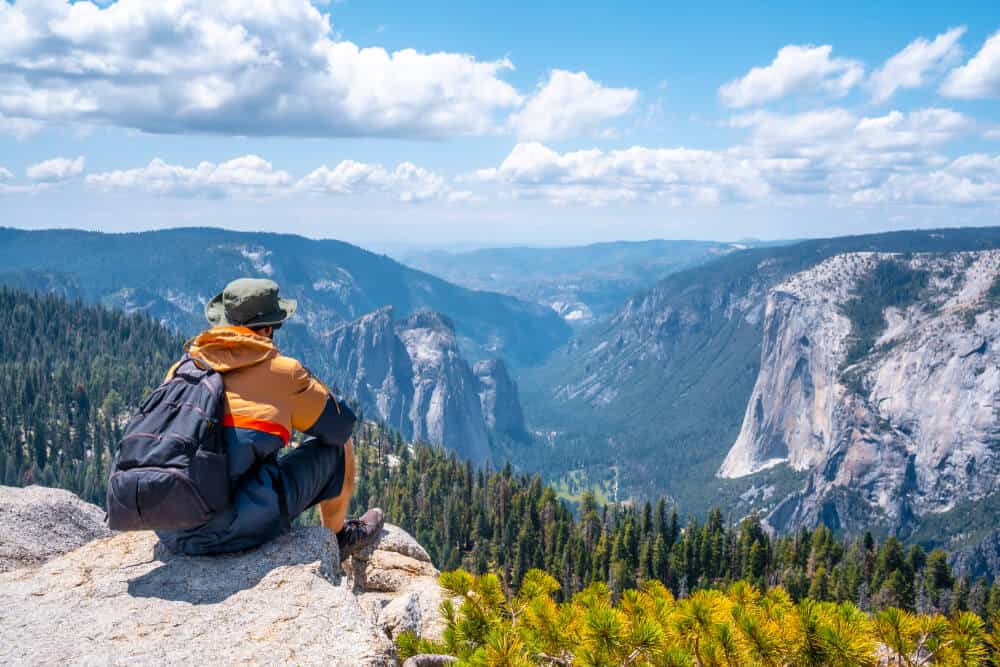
{"points": [[411, 374], [908, 427], [126, 600], [371, 363], [499, 398], [397, 584], [445, 407], [38, 523], [981, 559]]}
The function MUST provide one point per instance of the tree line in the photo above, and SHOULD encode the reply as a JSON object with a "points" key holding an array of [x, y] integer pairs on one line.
{"points": [[508, 523]]}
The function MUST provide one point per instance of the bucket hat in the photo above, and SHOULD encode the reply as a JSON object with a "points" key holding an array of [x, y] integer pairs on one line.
{"points": [[249, 302]]}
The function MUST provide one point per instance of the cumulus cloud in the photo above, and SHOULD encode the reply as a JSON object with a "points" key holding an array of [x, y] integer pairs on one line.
{"points": [[978, 78], [56, 169], [794, 69], [570, 104], [20, 128], [836, 152], [968, 180], [909, 67], [830, 153], [407, 182], [254, 177], [249, 176], [595, 177], [245, 67], [5, 174]]}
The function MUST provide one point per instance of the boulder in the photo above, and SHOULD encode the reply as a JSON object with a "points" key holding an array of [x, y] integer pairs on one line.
{"points": [[39, 523], [398, 583]]}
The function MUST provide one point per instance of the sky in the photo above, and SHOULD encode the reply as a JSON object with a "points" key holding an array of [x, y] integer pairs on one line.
{"points": [[448, 124]]}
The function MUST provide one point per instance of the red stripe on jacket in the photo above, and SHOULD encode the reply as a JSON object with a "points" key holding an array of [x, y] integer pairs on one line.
{"points": [[239, 421]]}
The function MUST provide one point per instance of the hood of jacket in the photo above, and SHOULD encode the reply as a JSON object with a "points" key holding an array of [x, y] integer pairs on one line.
{"points": [[229, 348]]}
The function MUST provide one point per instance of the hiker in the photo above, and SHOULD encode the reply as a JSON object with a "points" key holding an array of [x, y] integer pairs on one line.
{"points": [[267, 396]]}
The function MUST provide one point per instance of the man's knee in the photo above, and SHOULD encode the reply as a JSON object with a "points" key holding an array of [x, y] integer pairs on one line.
{"points": [[311, 473]]}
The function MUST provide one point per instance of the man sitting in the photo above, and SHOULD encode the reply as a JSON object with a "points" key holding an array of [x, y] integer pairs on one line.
{"points": [[267, 396]]}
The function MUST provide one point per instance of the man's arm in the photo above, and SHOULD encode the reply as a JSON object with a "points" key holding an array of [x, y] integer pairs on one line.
{"points": [[317, 413]]}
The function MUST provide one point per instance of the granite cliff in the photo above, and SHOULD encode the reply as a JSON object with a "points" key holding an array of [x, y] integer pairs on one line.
{"points": [[411, 374], [879, 380]]}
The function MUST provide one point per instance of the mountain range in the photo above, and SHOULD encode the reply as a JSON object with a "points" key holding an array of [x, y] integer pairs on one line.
{"points": [[581, 283], [170, 274]]}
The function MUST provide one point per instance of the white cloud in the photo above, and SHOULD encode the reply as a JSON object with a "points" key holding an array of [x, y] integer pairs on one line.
{"points": [[774, 129], [595, 177], [909, 67], [249, 176], [56, 169], [794, 69], [968, 180], [838, 131], [829, 153], [570, 104], [407, 182], [5, 174], [20, 128], [833, 151], [978, 78], [244, 67]]}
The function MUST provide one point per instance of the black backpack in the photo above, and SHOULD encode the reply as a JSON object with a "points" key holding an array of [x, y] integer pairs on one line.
{"points": [[169, 471]]}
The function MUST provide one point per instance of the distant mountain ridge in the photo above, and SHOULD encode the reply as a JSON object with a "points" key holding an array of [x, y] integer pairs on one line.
{"points": [[170, 274], [429, 389], [581, 283]]}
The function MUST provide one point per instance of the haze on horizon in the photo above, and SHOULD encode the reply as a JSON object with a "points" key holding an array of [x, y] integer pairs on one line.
{"points": [[392, 126]]}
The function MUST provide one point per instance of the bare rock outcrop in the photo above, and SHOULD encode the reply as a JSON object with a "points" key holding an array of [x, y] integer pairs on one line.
{"points": [[38, 523], [412, 374], [126, 599], [898, 429], [397, 583]]}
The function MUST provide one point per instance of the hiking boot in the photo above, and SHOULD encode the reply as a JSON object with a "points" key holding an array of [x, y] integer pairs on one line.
{"points": [[358, 534]]}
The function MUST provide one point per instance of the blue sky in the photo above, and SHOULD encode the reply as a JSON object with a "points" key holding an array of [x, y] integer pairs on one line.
{"points": [[445, 123]]}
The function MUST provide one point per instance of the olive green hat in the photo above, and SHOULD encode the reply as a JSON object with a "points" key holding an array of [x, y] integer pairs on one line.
{"points": [[249, 302]]}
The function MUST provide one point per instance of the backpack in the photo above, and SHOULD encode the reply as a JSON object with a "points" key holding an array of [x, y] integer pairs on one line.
{"points": [[169, 471]]}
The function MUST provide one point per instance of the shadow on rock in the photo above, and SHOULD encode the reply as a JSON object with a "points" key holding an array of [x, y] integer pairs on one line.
{"points": [[214, 579]]}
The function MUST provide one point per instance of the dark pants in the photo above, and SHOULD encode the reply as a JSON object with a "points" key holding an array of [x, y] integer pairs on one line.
{"points": [[303, 477]]}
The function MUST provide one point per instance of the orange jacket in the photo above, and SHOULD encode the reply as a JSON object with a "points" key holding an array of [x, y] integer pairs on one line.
{"points": [[267, 396]]}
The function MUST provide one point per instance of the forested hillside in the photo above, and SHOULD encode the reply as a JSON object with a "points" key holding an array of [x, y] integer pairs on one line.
{"points": [[67, 374]]}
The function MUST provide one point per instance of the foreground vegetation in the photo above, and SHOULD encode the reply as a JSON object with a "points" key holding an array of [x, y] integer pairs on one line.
{"points": [[711, 628]]}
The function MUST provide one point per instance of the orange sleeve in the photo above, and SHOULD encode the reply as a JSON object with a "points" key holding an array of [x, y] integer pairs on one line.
{"points": [[170, 373], [309, 397]]}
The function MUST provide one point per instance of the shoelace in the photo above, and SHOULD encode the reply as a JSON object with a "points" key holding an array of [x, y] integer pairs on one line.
{"points": [[353, 530]]}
